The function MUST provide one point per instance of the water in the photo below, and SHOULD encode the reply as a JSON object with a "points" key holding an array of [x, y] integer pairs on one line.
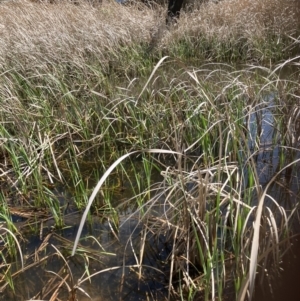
{"points": [[124, 284], [115, 252], [284, 286], [106, 285]]}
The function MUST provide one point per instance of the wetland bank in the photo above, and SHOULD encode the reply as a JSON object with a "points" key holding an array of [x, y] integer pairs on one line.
{"points": [[180, 144]]}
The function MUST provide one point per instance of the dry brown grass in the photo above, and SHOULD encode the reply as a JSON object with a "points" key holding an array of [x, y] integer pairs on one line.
{"points": [[38, 32], [236, 19], [42, 32], [247, 15]]}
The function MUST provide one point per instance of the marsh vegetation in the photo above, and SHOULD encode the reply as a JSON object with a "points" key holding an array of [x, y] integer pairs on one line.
{"points": [[175, 150]]}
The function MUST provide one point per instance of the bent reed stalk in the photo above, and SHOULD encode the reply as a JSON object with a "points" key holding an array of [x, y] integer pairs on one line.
{"points": [[210, 199], [81, 91]]}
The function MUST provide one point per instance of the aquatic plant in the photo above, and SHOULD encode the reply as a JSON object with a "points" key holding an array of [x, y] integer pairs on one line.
{"points": [[216, 215], [107, 92]]}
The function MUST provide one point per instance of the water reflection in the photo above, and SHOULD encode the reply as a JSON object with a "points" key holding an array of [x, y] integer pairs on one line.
{"points": [[116, 284]]}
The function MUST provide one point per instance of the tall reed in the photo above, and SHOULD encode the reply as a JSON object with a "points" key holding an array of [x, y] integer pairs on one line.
{"points": [[82, 84]]}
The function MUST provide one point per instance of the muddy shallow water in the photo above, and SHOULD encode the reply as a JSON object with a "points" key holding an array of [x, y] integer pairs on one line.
{"points": [[286, 285], [106, 285], [124, 247]]}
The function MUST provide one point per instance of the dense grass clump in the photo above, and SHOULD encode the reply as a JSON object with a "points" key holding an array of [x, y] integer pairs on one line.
{"points": [[237, 30], [40, 34], [107, 91]]}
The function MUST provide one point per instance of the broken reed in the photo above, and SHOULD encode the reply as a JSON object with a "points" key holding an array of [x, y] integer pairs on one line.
{"points": [[205, 114], [213, 121]]}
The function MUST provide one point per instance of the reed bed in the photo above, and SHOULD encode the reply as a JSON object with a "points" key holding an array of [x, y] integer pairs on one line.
{"points": [[85, 88], [218, 212]]}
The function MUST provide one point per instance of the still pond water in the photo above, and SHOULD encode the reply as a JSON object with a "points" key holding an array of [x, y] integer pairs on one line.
{"points": [[124, 249]]}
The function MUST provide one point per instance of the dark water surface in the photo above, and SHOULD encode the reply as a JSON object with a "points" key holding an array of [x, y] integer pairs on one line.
{"points": [[286, 286]]}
